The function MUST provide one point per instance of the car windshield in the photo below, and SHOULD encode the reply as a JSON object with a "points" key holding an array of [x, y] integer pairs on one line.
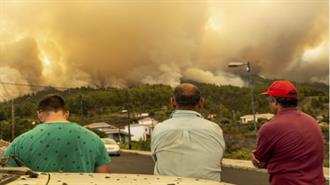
{"points": [[109, 141]]}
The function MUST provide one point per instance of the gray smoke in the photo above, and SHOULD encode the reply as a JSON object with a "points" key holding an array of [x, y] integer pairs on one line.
{"points": [[115, 43]]}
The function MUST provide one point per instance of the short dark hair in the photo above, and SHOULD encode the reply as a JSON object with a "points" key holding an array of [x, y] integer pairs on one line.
{"points": [[287, 102], [182, 98], [52, 103]]}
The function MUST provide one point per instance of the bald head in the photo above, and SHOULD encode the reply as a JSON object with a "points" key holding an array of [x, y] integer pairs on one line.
{"points": [[187, 95]]}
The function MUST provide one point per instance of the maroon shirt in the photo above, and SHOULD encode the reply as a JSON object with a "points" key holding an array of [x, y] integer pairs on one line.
{"points": [[291, 145]]}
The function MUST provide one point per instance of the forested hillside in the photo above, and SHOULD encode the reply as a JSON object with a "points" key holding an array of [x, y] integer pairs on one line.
{"points": [[227, 103]]}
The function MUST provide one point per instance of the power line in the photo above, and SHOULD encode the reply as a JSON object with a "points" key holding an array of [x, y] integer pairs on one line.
{"points": [[3, 84], [32, 85], [3, 97], [5, 89]]}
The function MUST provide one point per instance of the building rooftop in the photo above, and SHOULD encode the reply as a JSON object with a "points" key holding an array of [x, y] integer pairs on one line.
{"points": [[147, 120], [99, 125]]}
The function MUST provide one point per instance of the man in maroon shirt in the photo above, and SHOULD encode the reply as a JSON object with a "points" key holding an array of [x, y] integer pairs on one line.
{"points": [[290, 146]]}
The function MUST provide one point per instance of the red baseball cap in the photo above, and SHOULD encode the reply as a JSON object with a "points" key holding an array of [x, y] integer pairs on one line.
{"points": [[281, 88]]}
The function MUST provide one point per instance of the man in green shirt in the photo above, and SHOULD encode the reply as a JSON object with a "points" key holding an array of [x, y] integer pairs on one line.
{"points": [[58, 145]]}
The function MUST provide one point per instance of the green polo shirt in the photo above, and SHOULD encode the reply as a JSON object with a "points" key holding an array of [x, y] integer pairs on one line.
{"points": [[59, 147]]}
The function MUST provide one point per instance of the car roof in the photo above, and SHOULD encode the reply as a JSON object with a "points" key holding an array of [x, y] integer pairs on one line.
{"points": [[114, 179], [107, 139]]}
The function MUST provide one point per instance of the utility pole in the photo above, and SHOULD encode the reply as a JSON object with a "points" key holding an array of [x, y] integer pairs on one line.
{"points": [[81, 106], [129, 131], [128, 118], [152, 114], [128, 127], [250, 85], [13, 135], [248, 69]]}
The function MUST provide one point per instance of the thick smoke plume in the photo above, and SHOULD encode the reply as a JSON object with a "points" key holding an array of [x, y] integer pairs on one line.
{"points": [[116, 43]]}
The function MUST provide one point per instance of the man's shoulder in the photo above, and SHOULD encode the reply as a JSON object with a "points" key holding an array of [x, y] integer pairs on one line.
{"points": [[269, 124], [165, 124], [26, 134], [211, 123], [307, 116], [273, 125], [19, 140], [76, 130], [85, 130], [201, 123]]}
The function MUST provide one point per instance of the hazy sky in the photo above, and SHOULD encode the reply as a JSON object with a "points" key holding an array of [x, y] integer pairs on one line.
{"points": [[82, 42]]}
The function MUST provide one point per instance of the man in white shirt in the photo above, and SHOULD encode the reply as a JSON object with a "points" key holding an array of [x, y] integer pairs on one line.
{"points": [[188, 145]]}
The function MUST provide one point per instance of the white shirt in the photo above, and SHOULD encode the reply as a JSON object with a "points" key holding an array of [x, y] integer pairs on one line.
{"points": [[188, 145]]}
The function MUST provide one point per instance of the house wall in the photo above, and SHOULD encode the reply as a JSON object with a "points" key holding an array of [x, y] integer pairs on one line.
{"points": [[246, 119], [138, 132], [147, 121]]}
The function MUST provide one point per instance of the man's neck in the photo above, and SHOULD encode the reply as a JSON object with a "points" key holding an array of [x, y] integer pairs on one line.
{"points": [[280, 109], [55, 119], [186, 108], [190, 108]]}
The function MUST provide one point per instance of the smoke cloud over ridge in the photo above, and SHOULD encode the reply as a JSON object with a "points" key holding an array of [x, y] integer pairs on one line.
{"points": [[99, 43]]}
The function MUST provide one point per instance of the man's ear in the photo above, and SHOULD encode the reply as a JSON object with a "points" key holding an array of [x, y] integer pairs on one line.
{"points": [[66, 114], [200, 103], [173, 102], [40, 116]]}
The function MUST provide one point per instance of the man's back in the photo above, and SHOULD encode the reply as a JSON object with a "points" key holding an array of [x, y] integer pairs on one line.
{"points": [[293, 147], [188, 145], [61, 146]]}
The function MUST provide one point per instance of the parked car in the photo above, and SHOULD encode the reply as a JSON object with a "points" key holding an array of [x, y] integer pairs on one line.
{"points": [[111, 146]]}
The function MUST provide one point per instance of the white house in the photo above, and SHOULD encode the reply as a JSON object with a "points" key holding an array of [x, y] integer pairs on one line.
{"points": [[143, 129], [111, 131], [248, 118]]}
